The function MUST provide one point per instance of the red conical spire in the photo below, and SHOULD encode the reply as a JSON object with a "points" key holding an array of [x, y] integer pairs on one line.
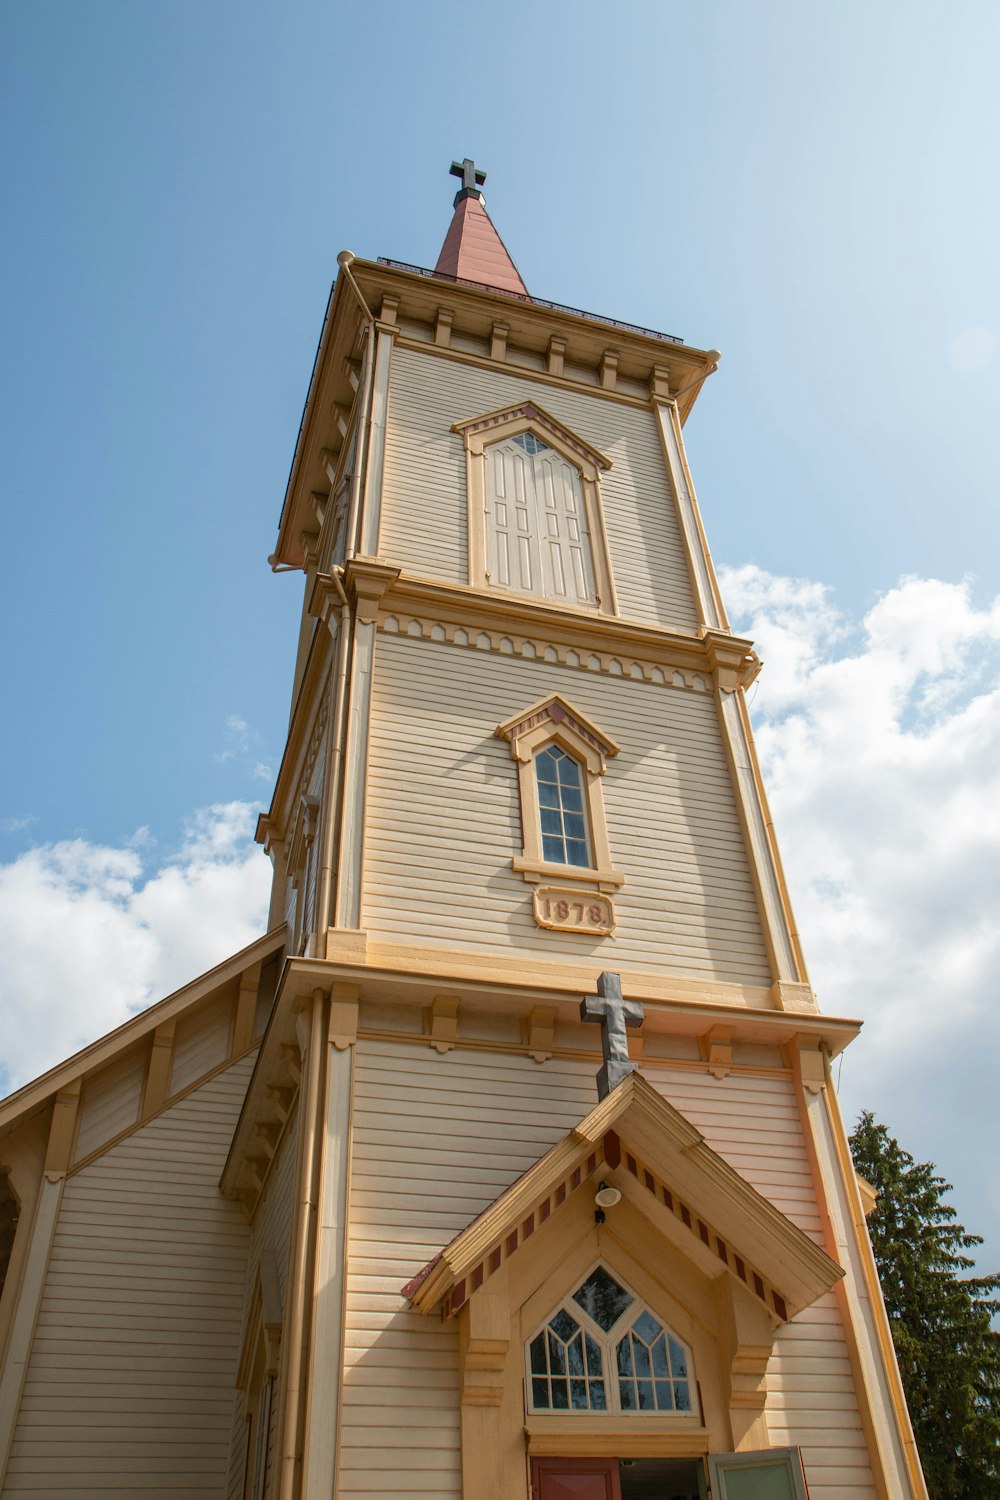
{"points": [[472, 249]]}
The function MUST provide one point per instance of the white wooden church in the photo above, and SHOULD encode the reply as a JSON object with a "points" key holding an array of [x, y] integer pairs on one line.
{"points": [[507, 1162]]}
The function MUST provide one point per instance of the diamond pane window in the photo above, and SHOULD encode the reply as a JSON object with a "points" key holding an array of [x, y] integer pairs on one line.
{"points": [[603, 1298], [567, 1369], [530, 443], [652, 1369], [560, 802]]}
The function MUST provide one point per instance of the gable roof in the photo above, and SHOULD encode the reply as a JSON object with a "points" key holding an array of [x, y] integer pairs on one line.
{"points": [[637, 1129], [36, 1093]]}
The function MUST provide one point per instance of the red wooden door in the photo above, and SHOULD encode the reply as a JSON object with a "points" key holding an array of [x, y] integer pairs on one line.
{"points": [[575, 1479]]}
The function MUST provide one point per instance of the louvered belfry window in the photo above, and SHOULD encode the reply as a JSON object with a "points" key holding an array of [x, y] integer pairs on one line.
{"points": [[538, 540]]}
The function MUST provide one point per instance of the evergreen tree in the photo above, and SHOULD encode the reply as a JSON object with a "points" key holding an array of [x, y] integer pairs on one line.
{"points": [[949, 1356]]}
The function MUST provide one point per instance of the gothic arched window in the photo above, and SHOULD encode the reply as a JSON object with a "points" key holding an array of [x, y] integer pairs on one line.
{"points": [[560, 807], [561, 757], [603, 1349]]}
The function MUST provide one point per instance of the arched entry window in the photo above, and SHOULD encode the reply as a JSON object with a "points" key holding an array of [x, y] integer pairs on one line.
{"points": [[603, 1349]]}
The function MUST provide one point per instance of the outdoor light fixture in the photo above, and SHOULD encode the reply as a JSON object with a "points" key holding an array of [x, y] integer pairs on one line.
{"points": [[607, 1197]]}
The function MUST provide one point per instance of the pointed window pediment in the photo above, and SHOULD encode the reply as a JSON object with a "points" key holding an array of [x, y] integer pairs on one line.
{"points": [[535, 523], [627, 1335]]}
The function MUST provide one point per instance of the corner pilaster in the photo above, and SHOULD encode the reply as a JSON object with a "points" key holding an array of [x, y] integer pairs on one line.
{"points": [[384, 334], [366, 582]]}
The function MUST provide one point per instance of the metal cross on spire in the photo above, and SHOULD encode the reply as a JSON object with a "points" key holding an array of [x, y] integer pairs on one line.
{"points": [[472, 178], [614, 1013]]}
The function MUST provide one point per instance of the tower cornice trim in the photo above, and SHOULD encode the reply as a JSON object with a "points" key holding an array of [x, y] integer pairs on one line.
{"points": [[602, 643]]}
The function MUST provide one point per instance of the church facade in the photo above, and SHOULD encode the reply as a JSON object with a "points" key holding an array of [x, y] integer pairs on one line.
{"points": [[507, 1163]]}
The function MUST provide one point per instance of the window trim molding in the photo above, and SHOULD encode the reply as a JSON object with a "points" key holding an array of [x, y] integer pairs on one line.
{"points": [[480, 433], [257, 1372], [555, 721]]}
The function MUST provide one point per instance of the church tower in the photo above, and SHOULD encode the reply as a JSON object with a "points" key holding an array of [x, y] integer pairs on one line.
{"points": [[533, 1181]]}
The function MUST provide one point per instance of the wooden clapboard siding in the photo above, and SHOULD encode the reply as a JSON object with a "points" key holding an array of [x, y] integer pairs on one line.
{"points": [[420, 1172], [811, 1404], [240, 1432], [109, 1101], [130, 1381], [401, 1370], [444, 819], [201, 1042], [271, 1230], [424, 496], [753, 1122]]}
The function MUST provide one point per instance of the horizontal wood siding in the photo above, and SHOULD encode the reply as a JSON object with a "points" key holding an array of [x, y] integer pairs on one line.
{"points": [[238, 1451], [444, 820], [130, 1384], [421, 1171], [201, 1042], [811, 1404], [109, 1102], [754, 1123], [271, 1230], [424, 496]]}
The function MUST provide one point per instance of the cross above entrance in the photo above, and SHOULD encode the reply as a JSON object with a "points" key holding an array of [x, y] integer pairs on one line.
{"points": [[471, 177], [614, 1013]]}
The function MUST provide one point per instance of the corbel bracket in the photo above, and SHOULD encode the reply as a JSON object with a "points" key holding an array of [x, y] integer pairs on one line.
{"points": [[733, 660], [443, 1023], [367, 582]]}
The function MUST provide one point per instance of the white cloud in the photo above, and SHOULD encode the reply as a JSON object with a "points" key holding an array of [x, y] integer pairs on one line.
{"points": [[243, 744], [90, 935], [880, 742], [972, 348], [17, 825]]}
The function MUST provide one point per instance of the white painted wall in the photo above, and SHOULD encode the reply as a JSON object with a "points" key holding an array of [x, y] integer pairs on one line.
{"points": [[129, 1386], [444, 821], [424, 495], [436, 1139]]}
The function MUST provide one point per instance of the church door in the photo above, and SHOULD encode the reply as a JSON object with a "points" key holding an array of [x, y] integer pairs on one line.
{"points": [[626, 1479], [575, 1479]]}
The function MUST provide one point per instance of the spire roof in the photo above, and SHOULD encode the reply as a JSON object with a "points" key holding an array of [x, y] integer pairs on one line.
{"points": [[472, 249]]}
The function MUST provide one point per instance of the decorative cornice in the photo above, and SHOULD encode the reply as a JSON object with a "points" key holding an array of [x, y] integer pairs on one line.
{"points": [[540, 648], [494, 621], [367, 580]]}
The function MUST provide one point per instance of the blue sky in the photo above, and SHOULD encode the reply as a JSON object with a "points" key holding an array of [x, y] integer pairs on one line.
{"points": [[810, 189]]}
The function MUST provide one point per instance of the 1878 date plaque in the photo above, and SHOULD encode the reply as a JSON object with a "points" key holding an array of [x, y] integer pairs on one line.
{"points": [[573, 911]]}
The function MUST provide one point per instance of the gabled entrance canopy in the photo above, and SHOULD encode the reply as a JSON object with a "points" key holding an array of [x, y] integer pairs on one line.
{"points": [[706, 1208]]}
